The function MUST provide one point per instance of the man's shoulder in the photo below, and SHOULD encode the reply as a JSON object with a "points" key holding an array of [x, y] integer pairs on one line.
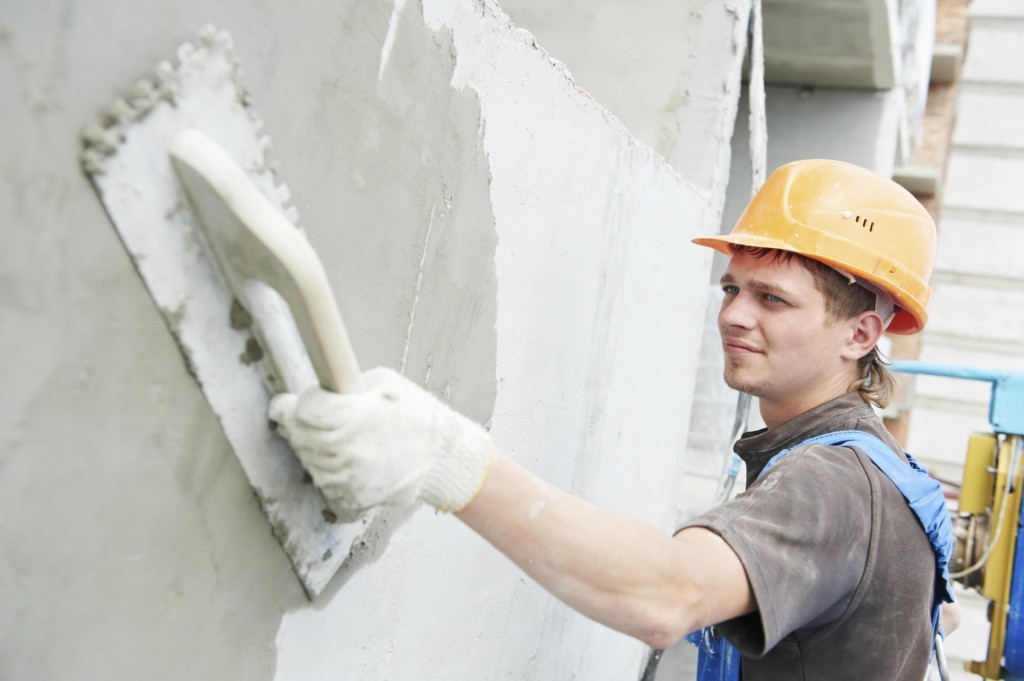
{"points": [[818, 463]]}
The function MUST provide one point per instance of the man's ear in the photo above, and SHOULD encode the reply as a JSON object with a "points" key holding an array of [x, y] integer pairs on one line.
{"points": [[865, 331]]}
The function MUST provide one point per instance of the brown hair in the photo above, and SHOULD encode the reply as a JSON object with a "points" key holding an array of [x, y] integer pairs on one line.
{"points": [[875, 382]]}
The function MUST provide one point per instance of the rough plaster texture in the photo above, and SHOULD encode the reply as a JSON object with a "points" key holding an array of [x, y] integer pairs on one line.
{"points": [[486, 225]]}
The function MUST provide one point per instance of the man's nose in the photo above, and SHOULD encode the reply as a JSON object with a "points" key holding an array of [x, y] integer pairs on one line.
{"points": [[736, 312]]}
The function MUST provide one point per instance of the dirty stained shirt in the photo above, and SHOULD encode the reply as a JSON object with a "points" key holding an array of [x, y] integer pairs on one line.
{"points": [[839, 565]]}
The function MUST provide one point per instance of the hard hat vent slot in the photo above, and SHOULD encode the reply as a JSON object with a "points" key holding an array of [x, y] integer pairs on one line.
{"points": [[864, 222]]}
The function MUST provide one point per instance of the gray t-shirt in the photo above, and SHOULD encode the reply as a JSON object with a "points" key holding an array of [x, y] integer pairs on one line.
{"points": [[838, 563]]}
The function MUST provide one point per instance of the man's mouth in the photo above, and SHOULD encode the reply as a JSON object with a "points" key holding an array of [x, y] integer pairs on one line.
{"points": [[734, 346]]}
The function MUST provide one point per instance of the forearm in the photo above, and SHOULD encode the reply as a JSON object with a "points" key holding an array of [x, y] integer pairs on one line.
{"points": [[619, 571]]}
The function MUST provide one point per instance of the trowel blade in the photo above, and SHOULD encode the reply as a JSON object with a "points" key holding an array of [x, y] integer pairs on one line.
{"points": [[127, 159]]}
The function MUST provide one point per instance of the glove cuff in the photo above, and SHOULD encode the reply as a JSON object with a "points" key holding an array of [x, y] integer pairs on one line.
{"points": [[464, 457]]}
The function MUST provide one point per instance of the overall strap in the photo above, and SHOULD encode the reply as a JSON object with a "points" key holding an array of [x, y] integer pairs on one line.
{"points": [[922, 493], [718, 660]]}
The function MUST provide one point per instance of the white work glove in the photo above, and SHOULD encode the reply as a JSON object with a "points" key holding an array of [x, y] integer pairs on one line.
{"points": [[395, 444]]}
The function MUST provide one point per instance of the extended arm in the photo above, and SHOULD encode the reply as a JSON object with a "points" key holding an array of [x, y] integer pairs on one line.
{"points": [[616, 570], [397, 444]]}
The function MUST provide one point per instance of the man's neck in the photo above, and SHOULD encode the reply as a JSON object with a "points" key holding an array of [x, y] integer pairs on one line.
{"points": [[774, 413]]}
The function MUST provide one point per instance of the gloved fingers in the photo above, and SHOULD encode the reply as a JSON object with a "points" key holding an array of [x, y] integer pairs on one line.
{"points": [[317, 408], [323, 409], [349, 501], [327, 468], [346, 508], [329, 411], [388, 395], [314, 408], [282, 412], [365, 478]]}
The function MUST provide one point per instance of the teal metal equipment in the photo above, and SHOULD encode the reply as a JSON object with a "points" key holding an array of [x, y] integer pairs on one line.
{"points": [[1005, 407]]}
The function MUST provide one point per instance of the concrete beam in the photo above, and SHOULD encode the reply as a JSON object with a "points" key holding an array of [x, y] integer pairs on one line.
{"points": [[922, 180], [946, 60], [832, 44]]}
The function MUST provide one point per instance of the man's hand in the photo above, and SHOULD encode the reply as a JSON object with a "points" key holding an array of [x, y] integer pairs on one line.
{"points": [[393, 444], [949, 617]]}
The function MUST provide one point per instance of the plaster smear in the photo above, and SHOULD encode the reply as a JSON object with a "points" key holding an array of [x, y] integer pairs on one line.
{"points": [[596, 287], [413, 256]]}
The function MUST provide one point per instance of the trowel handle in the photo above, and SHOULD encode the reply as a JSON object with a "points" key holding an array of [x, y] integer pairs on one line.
{"points": [[252, 240], [338, 368], [319, 323]]}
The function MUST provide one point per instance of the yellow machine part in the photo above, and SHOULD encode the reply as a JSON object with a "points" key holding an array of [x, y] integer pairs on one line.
{"points": [[978, 485], [1003, 532]]}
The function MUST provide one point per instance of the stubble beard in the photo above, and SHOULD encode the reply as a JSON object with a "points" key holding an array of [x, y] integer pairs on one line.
{"points": [[735, 380]]}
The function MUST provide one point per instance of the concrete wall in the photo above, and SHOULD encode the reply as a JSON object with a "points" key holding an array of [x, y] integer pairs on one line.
{"points": [[487, 226]]}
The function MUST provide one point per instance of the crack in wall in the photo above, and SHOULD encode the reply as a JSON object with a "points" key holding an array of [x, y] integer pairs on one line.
{"points": [[419, 288], [389, 39]]}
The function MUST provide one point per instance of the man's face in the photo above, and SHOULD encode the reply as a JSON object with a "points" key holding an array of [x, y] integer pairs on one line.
{"points": [[778, 341]]}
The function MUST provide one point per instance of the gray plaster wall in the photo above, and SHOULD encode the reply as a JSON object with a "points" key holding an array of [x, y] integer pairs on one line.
{"points": [[487, 227]]}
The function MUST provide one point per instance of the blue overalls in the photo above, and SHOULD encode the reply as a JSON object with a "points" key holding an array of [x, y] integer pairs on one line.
{"points": [[718, 660]]}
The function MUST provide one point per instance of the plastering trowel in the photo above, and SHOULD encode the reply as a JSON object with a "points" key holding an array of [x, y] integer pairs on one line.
{"points": [[184, 176]]}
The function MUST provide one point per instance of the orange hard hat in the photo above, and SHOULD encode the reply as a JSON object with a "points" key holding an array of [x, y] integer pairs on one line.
{"points": [[850, 219]]}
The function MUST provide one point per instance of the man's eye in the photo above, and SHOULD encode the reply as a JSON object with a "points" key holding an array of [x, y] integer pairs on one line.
{"points": [[731, 290], [772, 298]]}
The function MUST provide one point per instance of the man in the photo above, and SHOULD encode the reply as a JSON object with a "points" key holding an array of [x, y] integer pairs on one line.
{"points": [[820, 570]]}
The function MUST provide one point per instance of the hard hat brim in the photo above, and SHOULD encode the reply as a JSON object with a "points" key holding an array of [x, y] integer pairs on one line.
{"points": [[903, 323]]}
